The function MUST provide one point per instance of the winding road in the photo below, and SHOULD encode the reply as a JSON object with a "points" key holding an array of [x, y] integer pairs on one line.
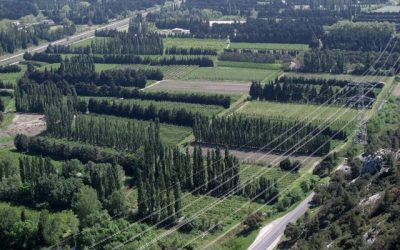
{"points": [[269, 236]]}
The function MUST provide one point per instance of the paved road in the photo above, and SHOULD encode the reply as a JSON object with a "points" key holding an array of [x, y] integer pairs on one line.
{"points": [[119, 24], [270, 235]]}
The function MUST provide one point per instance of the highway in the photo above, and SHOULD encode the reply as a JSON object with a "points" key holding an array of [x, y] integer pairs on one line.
{"points": [[88, 34], [269, 236]]}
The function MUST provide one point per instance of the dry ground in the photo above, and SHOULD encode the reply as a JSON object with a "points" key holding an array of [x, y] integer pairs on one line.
{"points": [[252, 156], [396, 91], [28, 124], [202, 86]]}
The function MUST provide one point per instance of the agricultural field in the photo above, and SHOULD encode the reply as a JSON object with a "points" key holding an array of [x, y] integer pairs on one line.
{"points": [[233, 64], [172, 72], [295, 111], [86, 42], [13, 77], [202, 86], [268, 46], [233, 74], [218, 44]]}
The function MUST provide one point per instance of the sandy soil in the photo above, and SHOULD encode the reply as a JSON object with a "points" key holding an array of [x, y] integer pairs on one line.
{"points": [[28, 124], [203, 86], [252, 156]]}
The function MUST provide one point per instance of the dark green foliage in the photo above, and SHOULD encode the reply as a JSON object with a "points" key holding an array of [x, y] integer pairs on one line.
{"points": [[288, 165], [43, 57], [32, 168], [104, 178], [359, 36], [192, 51], [329, 61], [65, 151], [31, 97], [10, 69], [86, 204], [21, 142], [136, 111], [7, 169], [253, 221], [121, 92], [261, 190], [325, 167], [256, 57], [2, 106], [261, 132]]}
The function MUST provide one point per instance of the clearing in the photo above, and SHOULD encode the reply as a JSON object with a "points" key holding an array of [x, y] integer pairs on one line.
{"points": [[396, 91], [28, 124], [202, 86]]}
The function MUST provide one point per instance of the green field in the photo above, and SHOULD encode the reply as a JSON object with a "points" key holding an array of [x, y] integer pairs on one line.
{"points": [[297, 111], [270, 46], [339, 77], [251, 65], [13, 77], [218, 44], [87, 42], [272, 173], [233, 74], [172, 72]]}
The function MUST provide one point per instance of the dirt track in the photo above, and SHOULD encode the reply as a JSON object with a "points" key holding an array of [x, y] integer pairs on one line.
{"points": [[28, 124], [202, 86]]}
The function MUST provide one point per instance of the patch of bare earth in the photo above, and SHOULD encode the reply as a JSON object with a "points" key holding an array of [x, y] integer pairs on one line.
{"points": [[254, 156], [396, 91], [202, 86], [28, 124]]}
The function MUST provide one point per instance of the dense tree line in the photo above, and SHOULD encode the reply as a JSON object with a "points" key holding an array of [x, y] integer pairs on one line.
{"points": [[190, 51], [10, 69], [262, 190], [6, 92], [235, 7], [82, 70], [30, 97], [6, 85], [337, 61], [159, 188], [260, 132], [181, 116], [64, 150], [10, 9], [288, 92], [12, 38], [202, 61], [43, 57], [99, 131], [364, 36], [121, 92], [329, 61]]}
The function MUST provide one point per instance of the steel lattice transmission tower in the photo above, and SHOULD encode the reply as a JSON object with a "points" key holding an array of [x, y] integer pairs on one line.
{"points": [[360, 100]]}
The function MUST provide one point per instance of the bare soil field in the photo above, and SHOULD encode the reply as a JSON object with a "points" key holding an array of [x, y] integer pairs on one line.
{"points": [[28, 124], [252, 156], [202, 86]]}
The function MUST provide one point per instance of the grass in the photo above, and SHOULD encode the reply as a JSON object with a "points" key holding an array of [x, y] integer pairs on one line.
{"points": [[171, 72], [270, 46], [271, 173], [233, 74], [13, 77], [292, 111], [250, 65], [218, 44], [87, 42], [338, 77], [13, 155]]}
